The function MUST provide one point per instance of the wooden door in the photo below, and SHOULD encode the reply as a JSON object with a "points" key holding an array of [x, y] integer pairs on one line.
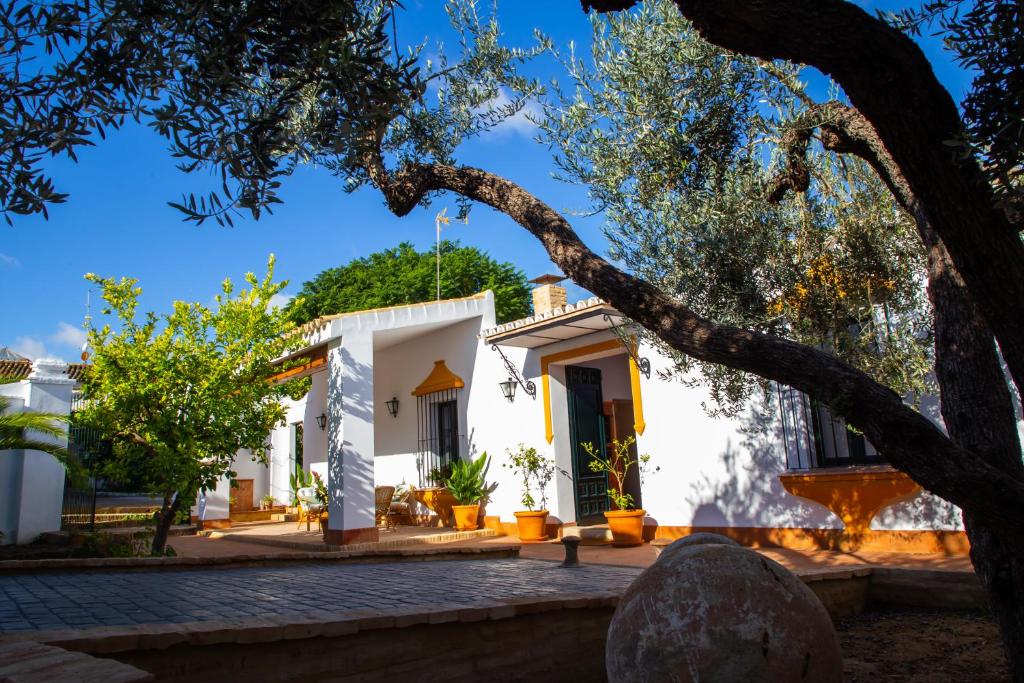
{"points": [[242, 496], [586, 425], [619, 414]]}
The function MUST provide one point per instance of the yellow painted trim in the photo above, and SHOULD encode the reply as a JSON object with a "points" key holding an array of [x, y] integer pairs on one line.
{"points": [[638, 402], [545, 382], [439, 379]]}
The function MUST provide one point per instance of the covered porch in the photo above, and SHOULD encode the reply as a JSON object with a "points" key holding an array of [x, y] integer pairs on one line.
{"points": [[387, 408]]}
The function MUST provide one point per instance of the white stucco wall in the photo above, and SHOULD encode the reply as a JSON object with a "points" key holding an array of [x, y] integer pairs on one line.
{"points": [[399, 369]]}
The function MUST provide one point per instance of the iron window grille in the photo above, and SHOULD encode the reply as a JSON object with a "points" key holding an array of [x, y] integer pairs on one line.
{"points": [[814, 438], [440, 440]]}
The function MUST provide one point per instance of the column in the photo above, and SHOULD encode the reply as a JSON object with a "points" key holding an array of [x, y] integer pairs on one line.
{"points": [[42, 476], [350, 439]]}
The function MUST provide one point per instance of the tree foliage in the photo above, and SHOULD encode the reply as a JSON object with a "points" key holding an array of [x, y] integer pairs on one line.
{"points": [[180, 393], [986, 37], [402, 275], [678, 142], [245, 91]]}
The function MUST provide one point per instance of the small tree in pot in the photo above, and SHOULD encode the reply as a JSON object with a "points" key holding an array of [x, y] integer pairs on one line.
{"points": [[626, 522], [468, 488], [536, 471]]}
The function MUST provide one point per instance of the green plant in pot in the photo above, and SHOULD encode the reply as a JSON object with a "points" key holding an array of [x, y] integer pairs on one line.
{"points": [[469, 488], [322, 499], [625, 521], [536, 472], [300, 479]]}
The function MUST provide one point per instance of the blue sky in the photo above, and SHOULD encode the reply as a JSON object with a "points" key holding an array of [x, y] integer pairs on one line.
{"points": [[117, 222]]}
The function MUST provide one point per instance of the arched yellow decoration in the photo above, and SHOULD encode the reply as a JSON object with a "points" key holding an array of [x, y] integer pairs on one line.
{"points": [[439, 379], [634, 383]]}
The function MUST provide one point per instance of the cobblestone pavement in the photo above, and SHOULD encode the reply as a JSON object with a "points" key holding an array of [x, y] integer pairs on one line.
{"points": [[88, 599]]}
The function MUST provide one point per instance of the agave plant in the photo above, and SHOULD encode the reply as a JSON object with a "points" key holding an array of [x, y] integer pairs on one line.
{"points": [[466, 483]]}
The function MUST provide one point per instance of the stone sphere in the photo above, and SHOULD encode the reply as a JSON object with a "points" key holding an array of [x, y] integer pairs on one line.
{"points": [[710, 610]]}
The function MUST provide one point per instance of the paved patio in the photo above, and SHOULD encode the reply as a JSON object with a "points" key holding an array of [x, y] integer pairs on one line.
{"points": [[641, 556], [81, 599]]}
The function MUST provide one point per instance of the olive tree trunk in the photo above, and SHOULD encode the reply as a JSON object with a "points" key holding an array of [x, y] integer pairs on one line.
{"points": [[165, 519]]}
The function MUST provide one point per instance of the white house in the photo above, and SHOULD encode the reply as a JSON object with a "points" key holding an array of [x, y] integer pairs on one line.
{"points": [[756, 477], [32, 482]]}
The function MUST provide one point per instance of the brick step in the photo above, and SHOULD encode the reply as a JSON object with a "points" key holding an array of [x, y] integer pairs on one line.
{"points": [[28, 662]]}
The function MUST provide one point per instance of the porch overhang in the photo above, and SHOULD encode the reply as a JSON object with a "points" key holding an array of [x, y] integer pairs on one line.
{"points": [[567, 322], [304, 363]]}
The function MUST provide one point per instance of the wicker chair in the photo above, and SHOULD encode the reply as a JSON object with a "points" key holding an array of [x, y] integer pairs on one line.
{"points": [[382, 503], [309, 507]]}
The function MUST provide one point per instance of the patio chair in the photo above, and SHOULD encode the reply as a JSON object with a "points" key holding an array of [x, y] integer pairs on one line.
{"points": [[382, 503], [309, 507], [400, 507]]}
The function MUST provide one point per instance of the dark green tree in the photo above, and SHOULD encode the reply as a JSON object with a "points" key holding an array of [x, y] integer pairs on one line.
{"points": [[402, 275]]}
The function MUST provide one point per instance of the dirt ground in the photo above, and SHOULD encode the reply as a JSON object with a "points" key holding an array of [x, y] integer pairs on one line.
{"points": [[921, 646]]}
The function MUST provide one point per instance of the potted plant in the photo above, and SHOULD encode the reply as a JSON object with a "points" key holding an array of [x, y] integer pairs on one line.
{"points": [[300, 479], [467, 486], [436, 497], [267, 502], [536, 471], [320, 493], [626, 522]]}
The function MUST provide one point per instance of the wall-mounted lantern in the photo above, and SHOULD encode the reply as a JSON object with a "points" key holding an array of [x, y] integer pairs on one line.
{"points": [[321, 421], [392, 406], [508, 389]]}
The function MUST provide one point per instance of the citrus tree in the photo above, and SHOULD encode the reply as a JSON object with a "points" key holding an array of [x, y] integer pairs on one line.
{"points": [[179, 393]]}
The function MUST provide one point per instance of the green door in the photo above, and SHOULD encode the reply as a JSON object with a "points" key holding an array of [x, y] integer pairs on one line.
{"points": [[586, 425]]}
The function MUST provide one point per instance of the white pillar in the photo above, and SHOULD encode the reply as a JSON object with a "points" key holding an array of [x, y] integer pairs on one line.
{"points": [[350, 439], [40, 490]]}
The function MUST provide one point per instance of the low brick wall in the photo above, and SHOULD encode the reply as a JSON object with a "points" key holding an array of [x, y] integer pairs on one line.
{"points": [[552, 639], [926, 588], [564, 645], [411, 554], [542, 638]]}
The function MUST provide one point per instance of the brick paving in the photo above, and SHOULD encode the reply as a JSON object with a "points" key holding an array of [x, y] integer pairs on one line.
{"points": [[84, 600]]}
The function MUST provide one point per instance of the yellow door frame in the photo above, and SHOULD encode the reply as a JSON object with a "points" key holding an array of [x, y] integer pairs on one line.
{"points": [[634, 382]]}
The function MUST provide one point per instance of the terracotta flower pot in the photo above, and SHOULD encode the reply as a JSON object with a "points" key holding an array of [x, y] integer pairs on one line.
{"points": [[531, 525], [466, 516], [627, 527], [438, 500]]}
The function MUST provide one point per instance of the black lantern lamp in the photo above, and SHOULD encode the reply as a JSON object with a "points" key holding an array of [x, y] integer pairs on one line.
{"points": [[392, 406], [508, 389], [321, 421]]}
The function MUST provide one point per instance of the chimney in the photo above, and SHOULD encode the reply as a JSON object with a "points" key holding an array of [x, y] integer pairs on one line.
{"points": [[548, 294]]}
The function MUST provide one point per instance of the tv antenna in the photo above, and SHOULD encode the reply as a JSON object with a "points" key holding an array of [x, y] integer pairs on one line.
{"points": [[439, 219]]}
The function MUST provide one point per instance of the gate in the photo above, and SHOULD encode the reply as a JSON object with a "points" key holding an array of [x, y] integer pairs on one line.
{"points": [[79, 508]]}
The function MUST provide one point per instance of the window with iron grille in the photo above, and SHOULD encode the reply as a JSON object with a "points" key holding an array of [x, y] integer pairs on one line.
{"points": [[439, 436], [814, 438]]}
